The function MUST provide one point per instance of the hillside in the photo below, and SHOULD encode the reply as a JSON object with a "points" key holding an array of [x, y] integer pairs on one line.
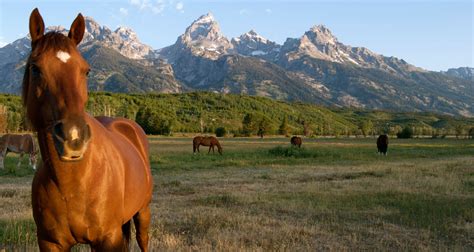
{"points": [[203, 111]]}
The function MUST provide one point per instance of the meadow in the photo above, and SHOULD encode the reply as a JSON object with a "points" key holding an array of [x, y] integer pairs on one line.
{"points": [[332, 194]]}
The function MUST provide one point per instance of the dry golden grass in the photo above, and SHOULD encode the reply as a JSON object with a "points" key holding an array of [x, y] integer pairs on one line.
{"points": [[334, 194]]}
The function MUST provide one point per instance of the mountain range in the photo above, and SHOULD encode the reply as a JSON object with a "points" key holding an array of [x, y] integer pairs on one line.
{"points": [[314, 68]]}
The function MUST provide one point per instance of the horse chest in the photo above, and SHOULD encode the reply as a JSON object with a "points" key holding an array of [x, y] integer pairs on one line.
{"points": [[86, 217], [79, 209]]}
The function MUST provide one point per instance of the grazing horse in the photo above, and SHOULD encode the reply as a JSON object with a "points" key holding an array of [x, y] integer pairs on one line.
{"points": [[95, 176], [382, 144], [296, 141], [206, 141], [22, 144]]}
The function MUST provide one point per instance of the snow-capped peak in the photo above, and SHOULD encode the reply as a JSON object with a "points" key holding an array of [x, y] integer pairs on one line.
{"points": [[253, 35], [203, 38], [252, 44], [205, 27], [204, 19]]}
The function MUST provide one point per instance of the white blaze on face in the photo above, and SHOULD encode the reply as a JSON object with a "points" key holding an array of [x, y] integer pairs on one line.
{"points": [[63, 56], [74, 134]]}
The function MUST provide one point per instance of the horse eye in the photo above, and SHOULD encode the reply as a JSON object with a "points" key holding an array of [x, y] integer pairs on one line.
{"points": [[87, 73], [35, 70]]}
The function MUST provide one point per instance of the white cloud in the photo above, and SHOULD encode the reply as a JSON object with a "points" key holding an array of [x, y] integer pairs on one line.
{"points": [[123, 11], [156, 6], [268, 11], [180, 6], [244, 12], [138, 3]]}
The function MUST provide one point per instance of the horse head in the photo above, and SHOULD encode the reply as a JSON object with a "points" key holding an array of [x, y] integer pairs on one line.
{"points": [[55, 87]]}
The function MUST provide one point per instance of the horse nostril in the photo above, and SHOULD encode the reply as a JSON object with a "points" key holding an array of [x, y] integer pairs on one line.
{"points": [[59, 131]]}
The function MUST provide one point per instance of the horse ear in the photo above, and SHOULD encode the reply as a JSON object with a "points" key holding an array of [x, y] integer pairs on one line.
{"points": [[77, 30], [36, 26]]}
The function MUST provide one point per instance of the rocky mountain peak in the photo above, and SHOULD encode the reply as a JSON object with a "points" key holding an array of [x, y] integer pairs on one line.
{"points": [[321, 35], [319, 43], [205, 19], [202, 38], [252, 44], [253, 35], [466, 73], [93, 27], [123, 39], [203, 28], [126, 33], [55, 29]]}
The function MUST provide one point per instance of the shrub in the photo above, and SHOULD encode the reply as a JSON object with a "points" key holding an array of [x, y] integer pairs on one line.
{"points": [[407, 132], [220, 131], [153, 122], [292, 151]]}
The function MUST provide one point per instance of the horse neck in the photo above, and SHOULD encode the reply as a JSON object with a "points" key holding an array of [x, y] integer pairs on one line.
{"points": [[218, 145]]}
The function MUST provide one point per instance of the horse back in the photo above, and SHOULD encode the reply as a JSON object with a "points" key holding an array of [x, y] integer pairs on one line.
{"points": [[17, 143], [130, 130], [382, 140]]}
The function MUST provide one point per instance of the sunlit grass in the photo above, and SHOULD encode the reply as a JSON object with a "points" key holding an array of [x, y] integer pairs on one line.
{"points": [[263, 194]]}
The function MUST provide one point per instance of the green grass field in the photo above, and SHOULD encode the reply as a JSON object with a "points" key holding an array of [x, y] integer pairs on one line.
{"points": [[332, 194]]}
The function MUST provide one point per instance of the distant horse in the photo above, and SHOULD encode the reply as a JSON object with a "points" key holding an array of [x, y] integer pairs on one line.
{"points": [[206, 141], [21, 144], [382, 144], [296, 141], [95, 175]]}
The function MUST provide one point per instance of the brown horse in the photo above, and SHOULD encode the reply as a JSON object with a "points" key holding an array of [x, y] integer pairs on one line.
{"points": [[95, 175], [296, 141], [22, 144], [206, 141]]}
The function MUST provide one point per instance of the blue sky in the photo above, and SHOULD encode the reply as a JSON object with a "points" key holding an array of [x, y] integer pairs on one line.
{"points": [[435, 35]]}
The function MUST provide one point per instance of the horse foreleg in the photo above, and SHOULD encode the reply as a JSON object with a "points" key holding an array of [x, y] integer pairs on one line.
{"points": [[142, 224], [209, 149], [19, 161]]}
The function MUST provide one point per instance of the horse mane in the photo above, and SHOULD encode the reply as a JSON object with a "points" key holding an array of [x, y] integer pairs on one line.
{"points": [[52, 40]]}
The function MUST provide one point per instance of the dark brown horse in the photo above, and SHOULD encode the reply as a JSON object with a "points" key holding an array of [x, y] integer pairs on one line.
{"points": [[296, 141], [206, 141], [382, 144], [95, 175], [21, 144]]}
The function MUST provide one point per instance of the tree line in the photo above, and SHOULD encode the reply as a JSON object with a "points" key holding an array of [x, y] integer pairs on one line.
{"points": [[242, 115]]}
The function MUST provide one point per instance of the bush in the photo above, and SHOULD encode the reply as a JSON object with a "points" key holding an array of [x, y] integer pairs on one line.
{"points": [[292, 151], [220, 132], [407, 132]]}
